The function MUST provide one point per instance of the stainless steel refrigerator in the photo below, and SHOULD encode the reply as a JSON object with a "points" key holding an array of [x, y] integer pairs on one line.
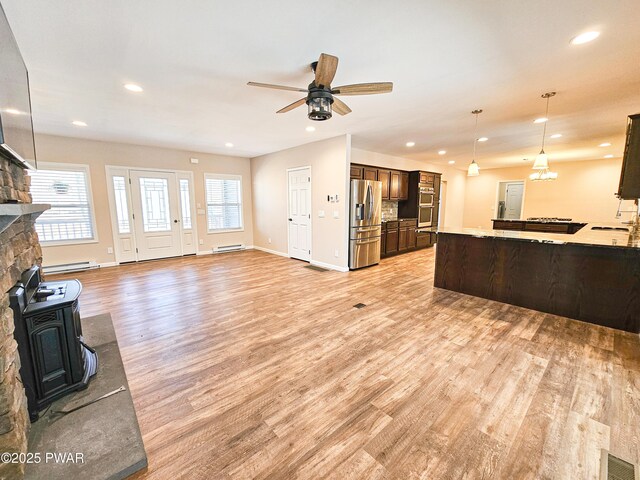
{"points": [[365, 223]]}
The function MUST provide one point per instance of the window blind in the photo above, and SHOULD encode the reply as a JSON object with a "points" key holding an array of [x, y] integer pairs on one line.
{"points": [[224, 203], [70, 215]]}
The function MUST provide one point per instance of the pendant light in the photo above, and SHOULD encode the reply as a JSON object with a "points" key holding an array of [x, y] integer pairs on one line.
{"points": [[542, 160], [474, 170]]}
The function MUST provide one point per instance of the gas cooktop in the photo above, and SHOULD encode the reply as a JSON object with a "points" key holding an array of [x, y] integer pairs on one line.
{"points": [[548, 219]]}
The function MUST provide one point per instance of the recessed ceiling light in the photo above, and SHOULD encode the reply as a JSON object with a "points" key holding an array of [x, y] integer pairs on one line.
{"points": [[608, 156], [12, 111], [79, 123], [605, 144], [556, 135], [228, 144], [540, 120], [441, 152], [585, 37], [132, 87], [410, 144], [483, 139], [310, 129], [451, 162]]}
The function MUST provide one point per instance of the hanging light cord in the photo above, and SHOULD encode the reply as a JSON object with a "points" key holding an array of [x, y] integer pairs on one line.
{"points": [[475, 137], [544, 129]]}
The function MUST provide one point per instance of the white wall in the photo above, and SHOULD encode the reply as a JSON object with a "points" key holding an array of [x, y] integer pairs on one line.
{"points": [[456, 179], [329, 176], [97, 154], [583, 191]]}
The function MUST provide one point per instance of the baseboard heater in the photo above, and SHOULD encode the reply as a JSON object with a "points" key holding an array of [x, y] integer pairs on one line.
{"points": [[229, 248], [70, 267]]}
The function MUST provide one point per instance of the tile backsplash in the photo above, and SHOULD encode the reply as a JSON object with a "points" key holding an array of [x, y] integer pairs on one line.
{"points": [[389, 210]]}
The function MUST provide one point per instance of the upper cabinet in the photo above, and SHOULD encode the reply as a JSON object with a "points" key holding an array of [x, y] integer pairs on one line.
{"points": [[395, 183], [428, 178]]}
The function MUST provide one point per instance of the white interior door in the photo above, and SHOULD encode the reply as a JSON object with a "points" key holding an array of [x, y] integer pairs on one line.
{"points": [[299, 223], [156, 214], [513, 201]]}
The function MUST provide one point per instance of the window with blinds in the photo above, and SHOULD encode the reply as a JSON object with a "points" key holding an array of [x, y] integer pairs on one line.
{"points": [[224, 202], [70, 217]]}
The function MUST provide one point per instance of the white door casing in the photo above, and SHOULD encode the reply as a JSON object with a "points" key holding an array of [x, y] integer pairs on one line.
{"points": [[156, 214], [299, 213]]}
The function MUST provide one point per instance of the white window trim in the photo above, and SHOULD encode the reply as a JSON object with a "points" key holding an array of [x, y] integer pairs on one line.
{"points": [[222, 176], [87, 171]]}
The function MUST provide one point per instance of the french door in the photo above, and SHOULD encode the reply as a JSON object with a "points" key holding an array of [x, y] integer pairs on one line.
{"points": [[152, 213]]}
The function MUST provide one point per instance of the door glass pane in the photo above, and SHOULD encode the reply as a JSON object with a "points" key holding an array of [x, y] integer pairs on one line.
{"points": [[185, 204], [122, 209], [154, 193]]}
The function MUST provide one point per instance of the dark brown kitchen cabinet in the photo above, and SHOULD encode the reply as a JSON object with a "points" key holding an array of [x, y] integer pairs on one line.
{"points": [[428, 178], [384, 176], [394, 185], [356, 172], [411, 238], [402, 240], [383, 242], [404, 186], [391, 241], [370, 173]]}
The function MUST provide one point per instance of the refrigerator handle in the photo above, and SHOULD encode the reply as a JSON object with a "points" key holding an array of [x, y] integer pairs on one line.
{"points": [[370, 201]]}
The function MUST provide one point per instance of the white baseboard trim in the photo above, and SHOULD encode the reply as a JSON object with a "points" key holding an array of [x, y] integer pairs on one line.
{"points": [[329, 266], [273, 252], [108, 264]]}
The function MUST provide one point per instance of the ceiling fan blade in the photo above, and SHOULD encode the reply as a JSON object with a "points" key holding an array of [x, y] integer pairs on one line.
{"points": [[277, 87], [326, 69], [296, 104], [340, 107], [363, 88]]}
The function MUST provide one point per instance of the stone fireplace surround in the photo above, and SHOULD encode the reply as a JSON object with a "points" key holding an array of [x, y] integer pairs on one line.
{"points": [[19, 250]]}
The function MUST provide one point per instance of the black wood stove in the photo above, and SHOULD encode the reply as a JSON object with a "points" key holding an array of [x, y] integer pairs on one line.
{"points": [[54, 360]]}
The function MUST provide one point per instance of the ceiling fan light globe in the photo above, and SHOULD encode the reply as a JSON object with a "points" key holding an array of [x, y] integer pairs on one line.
{"points": [[319, 108], [473, 170]]}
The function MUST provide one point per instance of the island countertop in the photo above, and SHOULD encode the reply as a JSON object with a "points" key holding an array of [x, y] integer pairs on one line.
{"points": [[604, 235]]}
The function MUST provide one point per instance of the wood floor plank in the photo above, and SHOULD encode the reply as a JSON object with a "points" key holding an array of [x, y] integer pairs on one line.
{"points": [[248, 365]]}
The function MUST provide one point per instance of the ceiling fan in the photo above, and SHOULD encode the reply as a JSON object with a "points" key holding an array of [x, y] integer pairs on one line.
{"points": [[321, 96]]}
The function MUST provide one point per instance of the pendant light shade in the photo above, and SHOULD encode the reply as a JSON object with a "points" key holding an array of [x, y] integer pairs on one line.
{"points": [[474, 169], [542, 161], [541, 164]]}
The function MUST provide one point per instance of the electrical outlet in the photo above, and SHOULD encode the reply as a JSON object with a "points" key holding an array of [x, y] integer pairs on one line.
{"points": [[201, 242], [336, 253], [336, 214], [269, 239], [110, 250], [321, 213]]}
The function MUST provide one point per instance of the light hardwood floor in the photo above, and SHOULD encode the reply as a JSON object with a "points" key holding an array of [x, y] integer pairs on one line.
{"points": [[247, 365]]}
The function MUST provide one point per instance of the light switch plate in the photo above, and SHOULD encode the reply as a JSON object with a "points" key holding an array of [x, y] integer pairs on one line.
{"points": [[321, 213], [336, 214]]}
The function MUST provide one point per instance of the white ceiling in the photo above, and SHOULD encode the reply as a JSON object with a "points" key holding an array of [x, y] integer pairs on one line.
{"points": [[194, 57]]}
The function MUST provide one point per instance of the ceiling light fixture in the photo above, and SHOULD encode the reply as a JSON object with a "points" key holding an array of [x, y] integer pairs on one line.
{"points": [[12, 111], [541, 120], [585, 37], [442, 152], [410, 144], [451, 162], [228, 145], [132, 87], [542, 161], [608, 156], [483, 139], [310, 129], [556, 135], [474, 170], [79, 123], [605, 144]]}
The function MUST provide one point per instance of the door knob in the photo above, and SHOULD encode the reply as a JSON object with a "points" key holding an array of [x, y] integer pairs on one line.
{"points": [[175, 221], [291, 219]]}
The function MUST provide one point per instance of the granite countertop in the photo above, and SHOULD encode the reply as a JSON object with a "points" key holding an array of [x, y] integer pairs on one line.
{"points": [[585, 236], [560, 222], [397, 219]]}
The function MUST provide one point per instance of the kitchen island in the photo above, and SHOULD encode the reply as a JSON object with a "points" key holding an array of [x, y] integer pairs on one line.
{"points": [[592, 275]]}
